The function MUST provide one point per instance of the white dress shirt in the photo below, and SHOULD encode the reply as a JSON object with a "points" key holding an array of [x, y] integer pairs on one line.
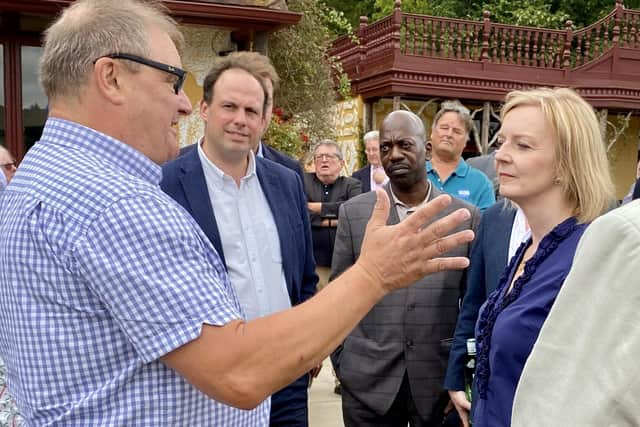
{"points": [[249, 239], [520, 232]]}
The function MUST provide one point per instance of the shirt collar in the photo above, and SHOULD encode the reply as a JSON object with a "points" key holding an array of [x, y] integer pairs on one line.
{"points": [[399, 203], [106, 148], [461, 170], [218, 175]]}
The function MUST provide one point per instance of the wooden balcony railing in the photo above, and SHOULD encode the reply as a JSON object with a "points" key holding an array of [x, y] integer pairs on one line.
{"points": [[414, 44], [448, 38]]}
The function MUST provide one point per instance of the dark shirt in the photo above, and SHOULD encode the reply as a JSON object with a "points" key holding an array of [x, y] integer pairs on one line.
{"points": [[331, 196]]}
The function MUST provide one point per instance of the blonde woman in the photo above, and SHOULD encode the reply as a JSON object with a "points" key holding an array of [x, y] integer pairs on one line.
{"points": [[552, 163]]}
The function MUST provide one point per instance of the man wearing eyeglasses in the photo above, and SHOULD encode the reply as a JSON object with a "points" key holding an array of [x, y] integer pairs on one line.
{"points": [[115, 307], [8, 165], [326, 191]]}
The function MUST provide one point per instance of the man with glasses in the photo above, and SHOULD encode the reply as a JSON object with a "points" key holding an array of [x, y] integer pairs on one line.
{"points": [[116, 309], [326, 191], [8, 165]]}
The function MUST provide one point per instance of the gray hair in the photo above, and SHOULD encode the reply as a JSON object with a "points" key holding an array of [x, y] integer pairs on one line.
{"points": [[90, 29], [455, 107], [372, 134], [328, 143]]}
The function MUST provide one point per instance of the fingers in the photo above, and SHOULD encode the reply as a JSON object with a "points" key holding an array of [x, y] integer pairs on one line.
{"points": [[398, 255], [462, 405], [438, 243], [459, 399], [380, 210], [433, 252], [423, 215]]}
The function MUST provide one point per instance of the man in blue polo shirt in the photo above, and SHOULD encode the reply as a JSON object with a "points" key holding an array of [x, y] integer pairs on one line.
{"points": [[447, 170]]}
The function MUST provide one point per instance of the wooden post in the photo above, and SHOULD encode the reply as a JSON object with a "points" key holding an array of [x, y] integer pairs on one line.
{"points": [[486, 30], [362, 49], [484, 133], [616, 21], [396, 103], [603, 115], [568, 41], [397, 26]]}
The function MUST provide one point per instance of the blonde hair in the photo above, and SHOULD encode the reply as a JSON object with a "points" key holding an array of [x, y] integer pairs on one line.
{"points": [[90, 29], [581, 158]]}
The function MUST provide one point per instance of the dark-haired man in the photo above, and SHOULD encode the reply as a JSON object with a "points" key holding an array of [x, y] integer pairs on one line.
{"points": [[252, 210]]}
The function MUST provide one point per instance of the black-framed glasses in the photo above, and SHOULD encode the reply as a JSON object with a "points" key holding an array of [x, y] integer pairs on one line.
{"points": [[178, 72], [8, 166], [327, 156]]}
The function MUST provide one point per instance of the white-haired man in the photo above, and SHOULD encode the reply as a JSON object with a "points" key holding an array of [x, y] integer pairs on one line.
{"points": [[373, 175]]}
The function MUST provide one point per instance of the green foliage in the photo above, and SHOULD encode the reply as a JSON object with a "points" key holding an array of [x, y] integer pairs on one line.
{"points": [[447, 8], [286, 135], [545, 13], [307, 91], [533, 13], [352, 10]]}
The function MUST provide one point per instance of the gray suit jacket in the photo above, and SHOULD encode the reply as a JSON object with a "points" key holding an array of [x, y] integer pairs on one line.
{"points": [[403, 332]]}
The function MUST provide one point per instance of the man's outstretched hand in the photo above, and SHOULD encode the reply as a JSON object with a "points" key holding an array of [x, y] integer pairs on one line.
{"points": [[397, 255]]}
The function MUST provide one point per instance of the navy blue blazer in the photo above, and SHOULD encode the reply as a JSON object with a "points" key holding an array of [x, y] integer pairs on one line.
{"points": [[183, 179], [364, 175], [268, 153], [281, 158], [488, 262]]}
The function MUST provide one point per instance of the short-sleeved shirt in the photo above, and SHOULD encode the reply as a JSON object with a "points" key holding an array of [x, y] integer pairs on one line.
{"points": [[466, 183], [103, 274]]}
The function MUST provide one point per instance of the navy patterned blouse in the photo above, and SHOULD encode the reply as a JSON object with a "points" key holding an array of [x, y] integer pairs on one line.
{"points": [[509, 324]]}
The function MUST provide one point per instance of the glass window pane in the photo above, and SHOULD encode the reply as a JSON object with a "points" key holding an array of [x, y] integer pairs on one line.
{"points": [[34, 102]]}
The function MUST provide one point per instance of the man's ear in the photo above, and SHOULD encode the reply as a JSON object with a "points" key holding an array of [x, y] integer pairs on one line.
{"points": [[204, 110], [109, 76], [427, 150]]}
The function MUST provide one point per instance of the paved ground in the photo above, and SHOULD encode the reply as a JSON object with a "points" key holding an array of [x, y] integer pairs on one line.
{"points": [[325, 407]]}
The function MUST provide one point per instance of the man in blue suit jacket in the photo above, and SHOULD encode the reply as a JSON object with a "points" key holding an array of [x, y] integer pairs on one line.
{"points": [[489, 257], [255, 214], [271, 80]]}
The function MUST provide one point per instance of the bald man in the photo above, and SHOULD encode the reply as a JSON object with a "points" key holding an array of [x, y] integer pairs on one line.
{"points": [[391, 365]]}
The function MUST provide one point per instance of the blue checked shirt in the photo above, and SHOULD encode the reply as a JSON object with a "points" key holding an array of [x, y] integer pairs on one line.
{"points": [[102, 274]]}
